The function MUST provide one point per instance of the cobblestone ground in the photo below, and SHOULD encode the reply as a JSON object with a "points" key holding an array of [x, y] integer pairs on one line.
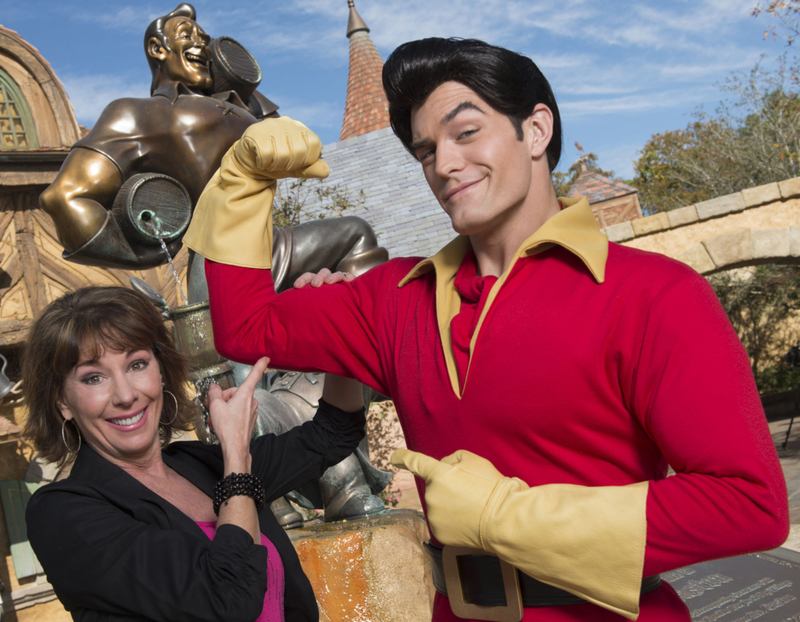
{"points": [[790, 461]]}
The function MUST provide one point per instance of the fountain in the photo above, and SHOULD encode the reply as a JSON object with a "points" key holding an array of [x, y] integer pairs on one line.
{"points": [[154, 208], [195, 339], [159, 169]]}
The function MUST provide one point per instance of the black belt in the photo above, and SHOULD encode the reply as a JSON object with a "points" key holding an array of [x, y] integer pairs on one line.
{"points": [[482, 583]]}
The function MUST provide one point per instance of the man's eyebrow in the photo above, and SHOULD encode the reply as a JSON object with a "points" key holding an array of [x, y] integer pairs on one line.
{"points": [[419, 144], [467, 105]]}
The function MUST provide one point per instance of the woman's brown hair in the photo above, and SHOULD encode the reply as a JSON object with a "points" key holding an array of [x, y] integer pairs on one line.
{"points": [[83, 324]]}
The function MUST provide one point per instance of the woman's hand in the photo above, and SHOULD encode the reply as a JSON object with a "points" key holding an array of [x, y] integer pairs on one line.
{"points": [[233, 417], [324, 276]]}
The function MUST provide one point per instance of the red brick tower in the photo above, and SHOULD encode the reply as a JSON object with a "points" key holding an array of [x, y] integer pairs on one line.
{"points": [[366, 109]]}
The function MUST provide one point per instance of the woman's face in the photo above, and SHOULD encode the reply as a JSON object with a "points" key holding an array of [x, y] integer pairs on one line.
{"points": [[116, 402]]}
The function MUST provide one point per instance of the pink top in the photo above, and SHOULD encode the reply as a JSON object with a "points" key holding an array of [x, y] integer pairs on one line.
{"points": [[273, 599]]}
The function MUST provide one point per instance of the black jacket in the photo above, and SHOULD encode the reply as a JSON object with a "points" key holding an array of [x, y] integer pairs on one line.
{"points": [[116, 551]]}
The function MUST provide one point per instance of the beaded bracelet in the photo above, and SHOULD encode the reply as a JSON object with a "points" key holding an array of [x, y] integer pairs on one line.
{"points": [[239, 484]]}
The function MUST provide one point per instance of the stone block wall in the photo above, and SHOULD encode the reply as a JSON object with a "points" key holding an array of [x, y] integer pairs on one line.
{"points": [[757, 225]]}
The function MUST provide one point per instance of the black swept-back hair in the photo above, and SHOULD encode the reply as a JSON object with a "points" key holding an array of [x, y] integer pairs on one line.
{"points": [[509, 82], [156, 29]]}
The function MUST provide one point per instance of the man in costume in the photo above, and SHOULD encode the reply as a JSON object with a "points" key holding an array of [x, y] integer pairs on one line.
{"points": [[545, 378], [182, 131]]}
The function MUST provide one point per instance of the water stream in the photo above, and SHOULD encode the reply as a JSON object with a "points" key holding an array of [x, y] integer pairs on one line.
{"points": [[154, 223]]}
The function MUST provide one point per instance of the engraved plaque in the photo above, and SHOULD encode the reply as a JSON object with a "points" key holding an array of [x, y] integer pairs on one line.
{"points": [[761, 586]]}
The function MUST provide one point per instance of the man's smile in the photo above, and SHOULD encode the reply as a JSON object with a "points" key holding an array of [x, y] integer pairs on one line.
{"points": [[461, 188], [194, 55]]}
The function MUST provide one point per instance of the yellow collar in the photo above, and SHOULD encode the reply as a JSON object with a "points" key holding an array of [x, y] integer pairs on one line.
{"points": [[574, 228]]}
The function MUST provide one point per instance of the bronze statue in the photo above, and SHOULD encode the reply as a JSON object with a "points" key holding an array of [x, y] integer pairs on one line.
{"points": [[165, 148], [182, 130]]}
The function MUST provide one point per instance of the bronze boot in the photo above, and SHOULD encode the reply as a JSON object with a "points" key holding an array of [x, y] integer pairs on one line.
{"points": [[346, 494], [287, 516]]}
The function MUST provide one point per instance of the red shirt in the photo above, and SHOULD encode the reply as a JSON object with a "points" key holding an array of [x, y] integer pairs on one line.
{"points": [[570, 381]]}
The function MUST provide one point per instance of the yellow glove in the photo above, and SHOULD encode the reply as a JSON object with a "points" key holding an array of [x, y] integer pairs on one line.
{"points": [[457, 490], [232, 222], [588, 541]]}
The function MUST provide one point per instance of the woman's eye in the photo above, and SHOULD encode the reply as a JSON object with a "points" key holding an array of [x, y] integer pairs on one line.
{"points": [[138, 365], [467, 133], [91, 379]]}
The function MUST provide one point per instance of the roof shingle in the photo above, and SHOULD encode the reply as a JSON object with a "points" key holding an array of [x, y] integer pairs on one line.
{"points": [[596, 187]]}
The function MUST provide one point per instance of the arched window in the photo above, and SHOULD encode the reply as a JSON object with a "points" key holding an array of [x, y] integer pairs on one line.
{"points": [[16, 124]]}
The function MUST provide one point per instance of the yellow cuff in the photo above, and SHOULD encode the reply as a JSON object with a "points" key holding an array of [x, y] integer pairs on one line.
{"points": [[232, 222], [589, 541]]}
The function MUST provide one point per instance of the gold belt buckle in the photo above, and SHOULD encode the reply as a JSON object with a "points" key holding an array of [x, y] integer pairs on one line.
{"points": [[512, 612]]}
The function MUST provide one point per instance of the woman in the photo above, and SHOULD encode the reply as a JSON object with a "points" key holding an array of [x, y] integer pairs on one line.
{"points": [[145, 531]]}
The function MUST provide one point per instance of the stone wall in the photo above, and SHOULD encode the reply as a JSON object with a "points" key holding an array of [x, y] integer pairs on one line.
{"points": [[755, 226]]}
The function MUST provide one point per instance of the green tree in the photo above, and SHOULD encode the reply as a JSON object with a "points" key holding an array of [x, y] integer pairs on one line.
{"points": [[563, 181], [760, 303], [660, 172], [753, 139], [312, 199]]}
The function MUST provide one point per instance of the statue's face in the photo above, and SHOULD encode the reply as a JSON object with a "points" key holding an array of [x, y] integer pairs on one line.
{"points": [[186, 60]]}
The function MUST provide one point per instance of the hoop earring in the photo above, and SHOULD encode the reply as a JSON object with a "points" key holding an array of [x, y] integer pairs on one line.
{"points": [[64, 437], [175, 416]]}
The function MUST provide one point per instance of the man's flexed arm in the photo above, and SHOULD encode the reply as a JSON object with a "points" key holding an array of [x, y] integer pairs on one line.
{"points": [[232, 223], [86, 183]]}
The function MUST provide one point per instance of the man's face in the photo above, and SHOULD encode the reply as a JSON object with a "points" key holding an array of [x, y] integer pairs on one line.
{"points": [[186, 60], [476, 166]]}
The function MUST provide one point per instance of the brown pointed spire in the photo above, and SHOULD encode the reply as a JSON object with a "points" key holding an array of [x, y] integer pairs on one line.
{"points": [[354, 23], [366, 109]]}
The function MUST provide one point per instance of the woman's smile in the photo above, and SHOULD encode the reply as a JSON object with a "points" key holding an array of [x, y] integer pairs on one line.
{"points": [[115, 398], [128, 422]]}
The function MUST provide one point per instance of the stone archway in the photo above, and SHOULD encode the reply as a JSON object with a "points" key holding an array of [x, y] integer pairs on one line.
{"points": [[756, 226], [744, 247]]}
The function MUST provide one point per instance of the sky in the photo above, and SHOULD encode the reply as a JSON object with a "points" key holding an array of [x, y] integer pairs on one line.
{"points": [[620, 70]]}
